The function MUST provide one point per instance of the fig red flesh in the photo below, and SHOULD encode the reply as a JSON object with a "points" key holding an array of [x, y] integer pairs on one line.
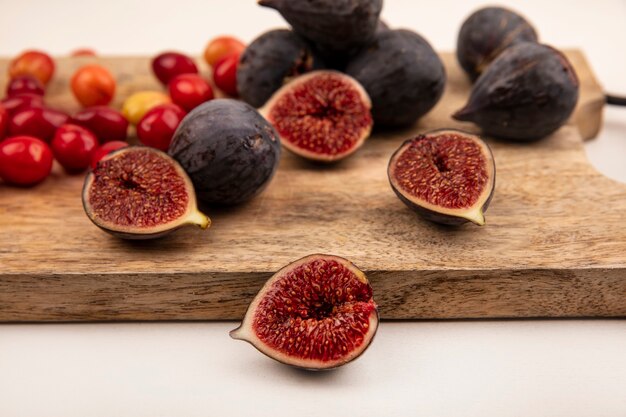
{"points": [[316, 313], [322, 115], [448, 176], [139, 192]]}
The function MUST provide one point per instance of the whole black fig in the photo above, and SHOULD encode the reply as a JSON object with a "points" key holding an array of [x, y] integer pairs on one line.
{"points": [[228, 149], [527, 93], [402, 74], [488, 32], [335, 27], [271, 60]]}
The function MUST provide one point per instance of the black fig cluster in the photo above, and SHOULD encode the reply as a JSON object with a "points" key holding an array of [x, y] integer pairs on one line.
{"points": [[398, 69], [524, 90]]}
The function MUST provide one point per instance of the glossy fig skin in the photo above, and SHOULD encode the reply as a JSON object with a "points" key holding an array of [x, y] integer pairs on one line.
{"points": [[402, 74], [228, 149], [335, 27], [270, 61], [488, 32], [475, 213], [526, 94]]}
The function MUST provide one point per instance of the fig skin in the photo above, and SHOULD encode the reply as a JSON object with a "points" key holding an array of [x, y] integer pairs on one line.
{"points": [[228, 149], [247, 333], [474, 213], [322, 158], [402, 74], [486, 33], [192, 215], [270, 61], [336, 27], [526, 94]]}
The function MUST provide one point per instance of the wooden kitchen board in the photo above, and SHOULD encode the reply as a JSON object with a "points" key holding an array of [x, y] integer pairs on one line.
{"points": [[554, 244]]}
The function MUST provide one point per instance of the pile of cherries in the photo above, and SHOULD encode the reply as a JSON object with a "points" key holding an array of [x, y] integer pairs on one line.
{"points": [[33, 134]]}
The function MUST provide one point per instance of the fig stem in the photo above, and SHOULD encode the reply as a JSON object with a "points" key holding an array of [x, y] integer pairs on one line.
{"points": [[199, 219], [615, 100], [236, 334], [476, 217], [464, 115], [267, 3]]}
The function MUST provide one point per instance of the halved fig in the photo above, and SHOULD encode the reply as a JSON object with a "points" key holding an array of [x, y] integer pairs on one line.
{"points": [[315, 313], [447, 176], [139, 192], [322, 116]]}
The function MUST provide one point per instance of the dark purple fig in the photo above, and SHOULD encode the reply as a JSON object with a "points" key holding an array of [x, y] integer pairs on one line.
{"points": [[271, 60], [488, 32], [382, 26], [402, 74], [447, 176], [139, 192], [315, 313], [336, 27], [527, 93], [228, 149]]}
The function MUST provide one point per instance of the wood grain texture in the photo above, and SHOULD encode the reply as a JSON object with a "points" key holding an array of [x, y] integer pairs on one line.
{"points": [[554, 244]]}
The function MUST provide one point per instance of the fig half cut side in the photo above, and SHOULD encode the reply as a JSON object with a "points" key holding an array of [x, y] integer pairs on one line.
{"points": [[315, 313], [139, 192], [322, 116], [447, 176]]}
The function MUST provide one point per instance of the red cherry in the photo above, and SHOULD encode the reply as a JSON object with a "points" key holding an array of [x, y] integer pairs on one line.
{"points": [[221, 46], [22, 102], [104, 150], [4, 122], [36, 63], [83, 52], [93, 85], [157, 127], [73, 146], [25, 84], [40, 122], [168, 65], [106, 123], [189, 91], [225, 74], [24, 160]]}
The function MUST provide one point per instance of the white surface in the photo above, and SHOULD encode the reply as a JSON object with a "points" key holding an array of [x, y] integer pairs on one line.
{"points": [[502, 368], [533, 368]]}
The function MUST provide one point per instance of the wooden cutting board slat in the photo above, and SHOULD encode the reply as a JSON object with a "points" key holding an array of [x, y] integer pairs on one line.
{"points": [[554, 244]]}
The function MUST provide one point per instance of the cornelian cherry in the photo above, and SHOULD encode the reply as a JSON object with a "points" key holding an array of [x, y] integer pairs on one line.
{"points": [[220, 47], [225, 74], [40, 122], [4, 122], [106, 123], [189, 91], [157, 127], [104, 150], [22, 102], [170, 64], [25, 84], [83, 52], [93, 85], [73, 146], [24, 160], [35, 63]]}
